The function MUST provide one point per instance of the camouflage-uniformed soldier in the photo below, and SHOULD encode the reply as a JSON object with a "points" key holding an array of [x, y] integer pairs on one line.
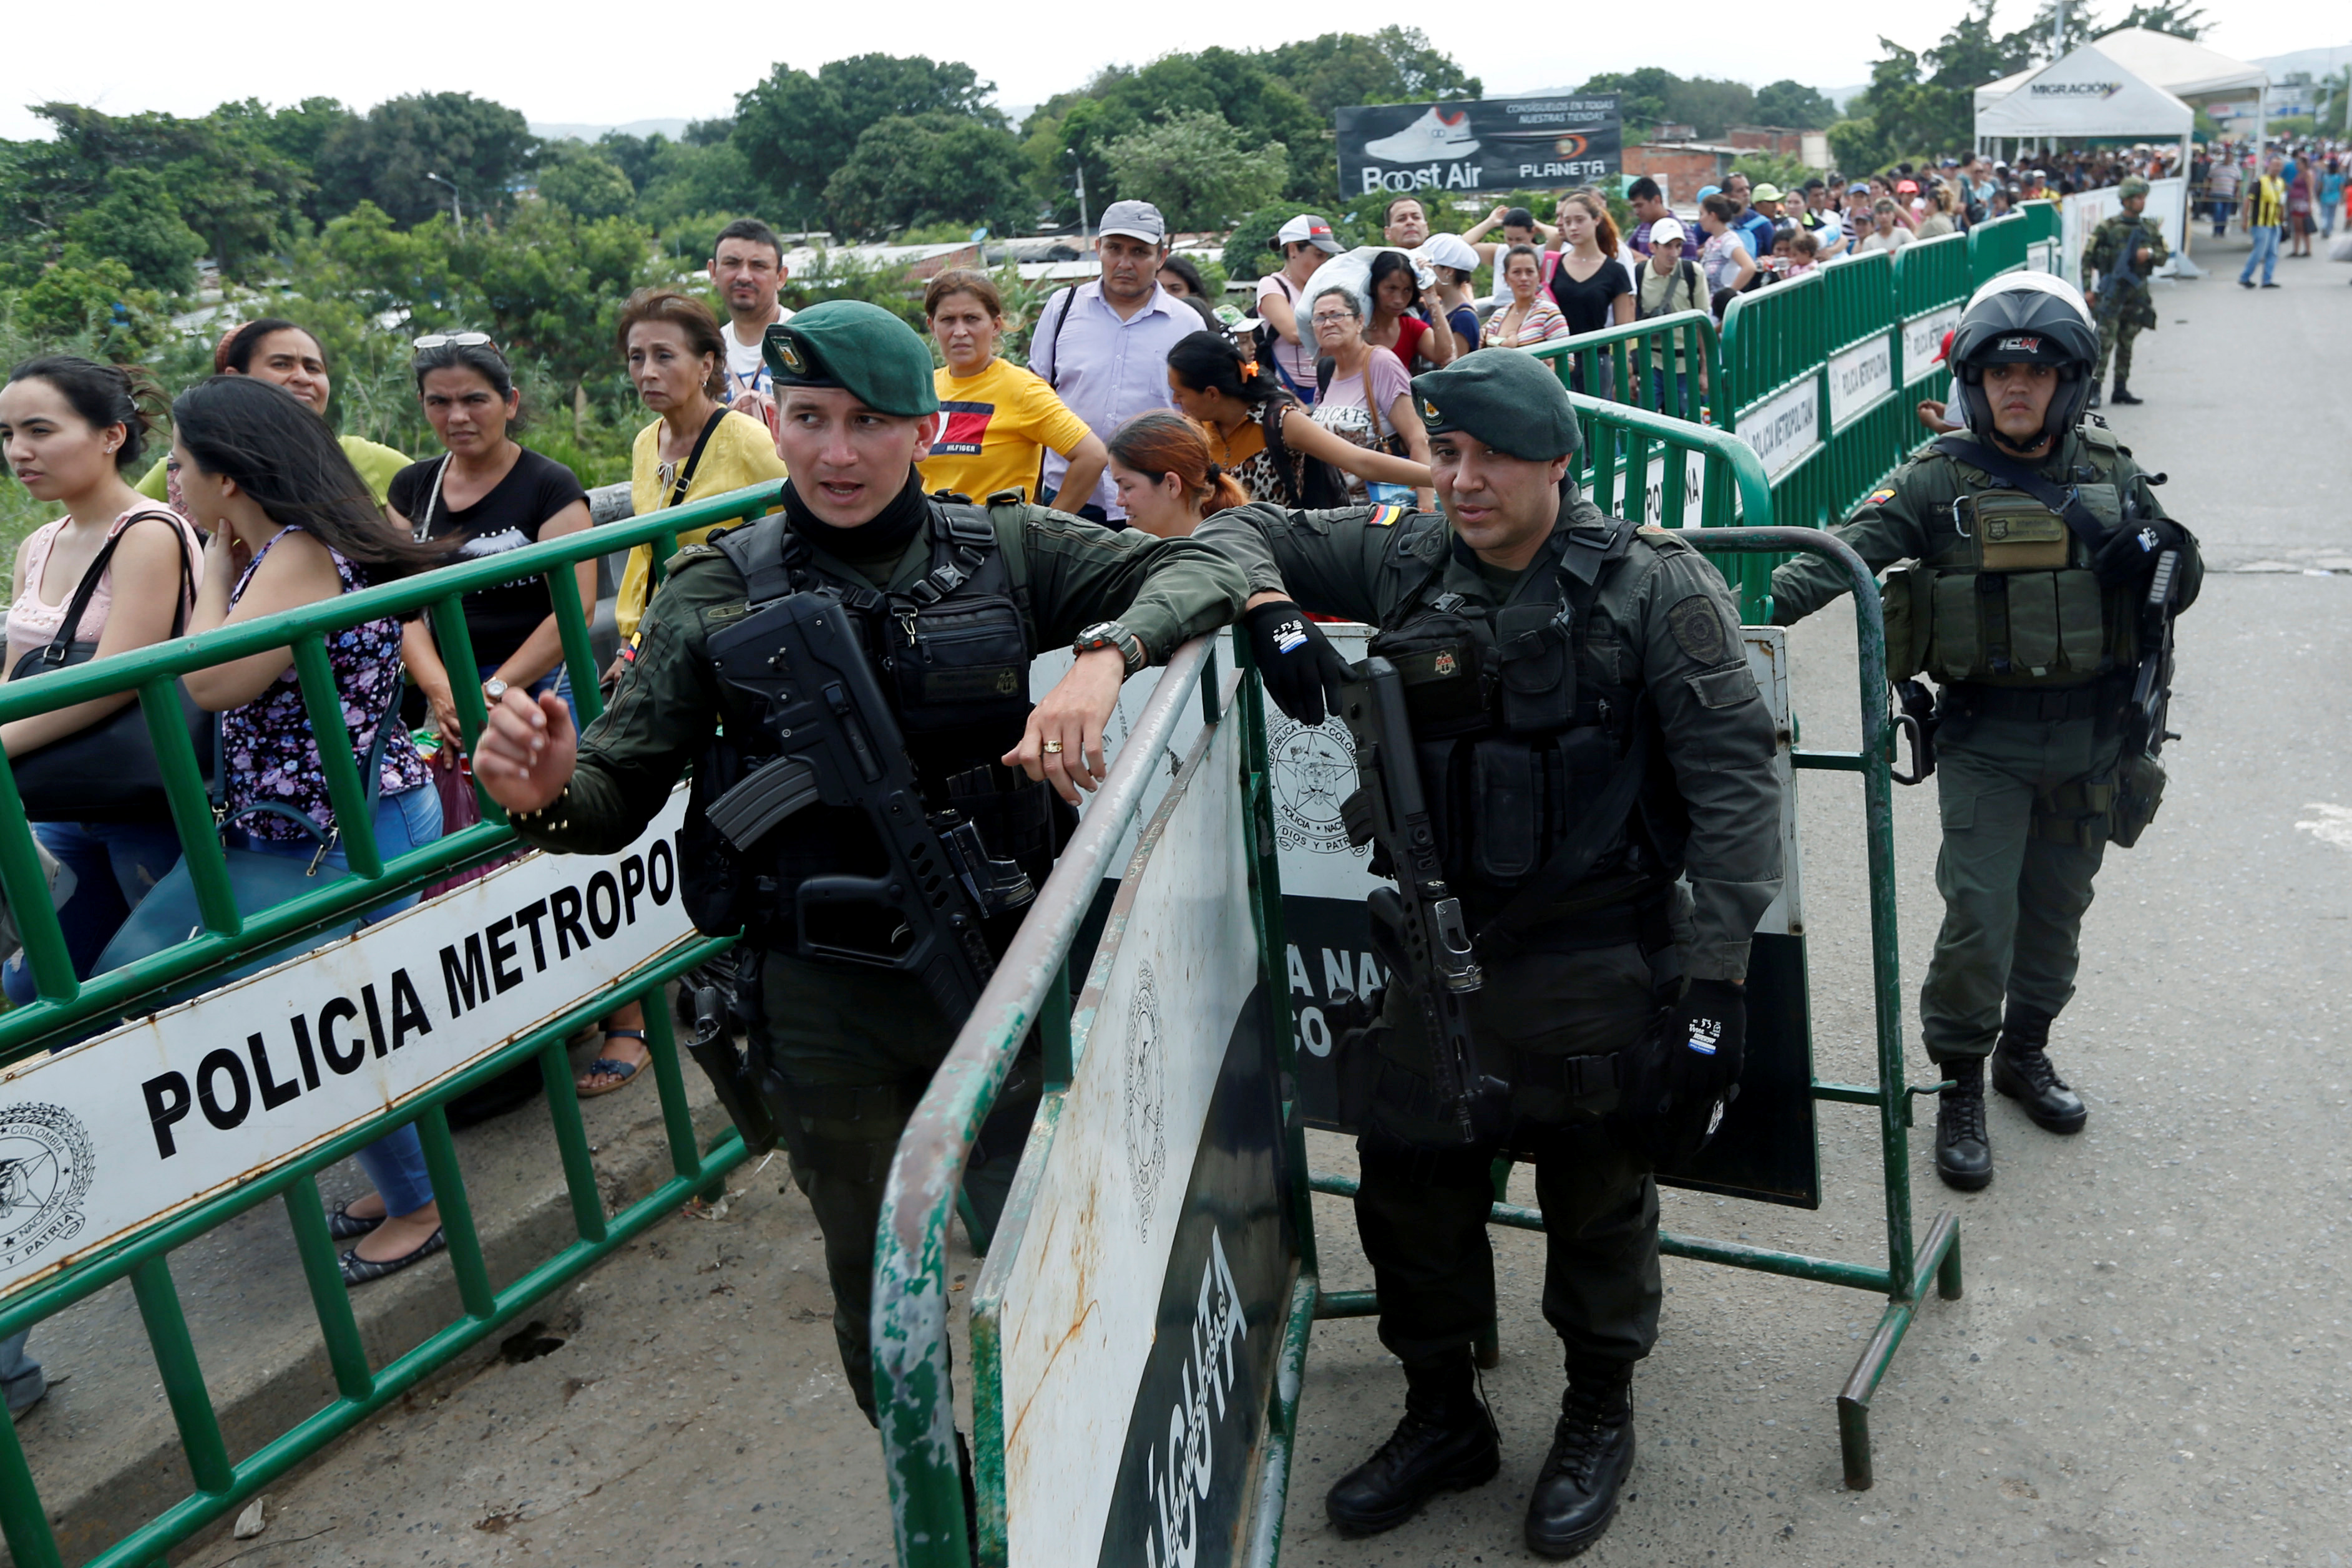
{"points": [[855, 1046], [2121, 253], [1544, 647], [2031, 623]]}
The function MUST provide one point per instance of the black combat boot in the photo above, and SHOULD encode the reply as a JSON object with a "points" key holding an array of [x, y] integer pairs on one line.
{"points": [[2021, 1070], [1963, 1150], [2094, 399], [1445, 1443], [2123, 395], [1575, 1495]]}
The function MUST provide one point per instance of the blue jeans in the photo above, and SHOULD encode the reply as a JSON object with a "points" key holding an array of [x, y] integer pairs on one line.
{"points": [[558, 680], [1666, 390], [20, 1374], [410, 819], [2265, 251], [104, 869]]}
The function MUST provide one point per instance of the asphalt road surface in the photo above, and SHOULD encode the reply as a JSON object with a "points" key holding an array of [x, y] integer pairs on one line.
{"points": [[2150, 1366]]}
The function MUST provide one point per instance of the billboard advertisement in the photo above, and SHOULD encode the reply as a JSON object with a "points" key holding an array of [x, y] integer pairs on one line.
{"points": [[1480, 145]]}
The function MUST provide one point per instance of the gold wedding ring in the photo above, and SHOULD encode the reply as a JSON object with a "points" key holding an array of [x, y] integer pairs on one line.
{"points": [[1053, 748]]}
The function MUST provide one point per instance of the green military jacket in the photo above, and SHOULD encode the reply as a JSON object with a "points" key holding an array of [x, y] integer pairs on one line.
{"points": [[2104, 252], [1907, 517], [1661, 619], [1166, 591]]}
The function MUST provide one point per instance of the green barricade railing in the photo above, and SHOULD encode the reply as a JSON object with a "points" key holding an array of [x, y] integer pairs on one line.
{"points": [[1637, 363], [1997, 247], [2044, 226], [67, 1005], [1931, 287], [1870, 426], [144, 1255]]}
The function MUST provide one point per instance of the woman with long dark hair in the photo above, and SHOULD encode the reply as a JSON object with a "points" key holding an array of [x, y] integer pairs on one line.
{"points": [[273, 349], [1238, 403], [71, 429], [1396, 324], [291, 522], [1166, 479]]}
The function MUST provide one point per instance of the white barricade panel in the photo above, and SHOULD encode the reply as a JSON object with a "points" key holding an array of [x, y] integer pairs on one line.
{"points": [[1127, 1320], [124, 1129]]}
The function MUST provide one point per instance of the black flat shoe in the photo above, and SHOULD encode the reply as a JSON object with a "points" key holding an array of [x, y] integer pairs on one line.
{"points": [[359, 1271], [345, 1226]]}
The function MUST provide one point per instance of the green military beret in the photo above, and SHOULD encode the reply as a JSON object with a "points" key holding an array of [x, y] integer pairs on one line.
{"points": [[2133, 185], [1506, 398], [858, 347]]}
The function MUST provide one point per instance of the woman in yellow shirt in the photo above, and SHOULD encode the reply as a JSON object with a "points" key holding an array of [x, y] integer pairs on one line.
{"points": [[996, 418], [678, 363]]}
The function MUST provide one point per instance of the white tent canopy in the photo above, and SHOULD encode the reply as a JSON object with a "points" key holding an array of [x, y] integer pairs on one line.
{"points": [[2090, 92]]}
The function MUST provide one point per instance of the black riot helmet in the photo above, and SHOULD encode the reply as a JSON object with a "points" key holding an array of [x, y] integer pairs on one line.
{"points": [[2024, 317]]}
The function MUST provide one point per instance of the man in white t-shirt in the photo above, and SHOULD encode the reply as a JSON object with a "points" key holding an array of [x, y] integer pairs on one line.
{"points": [[1304, 242], [747, 267]]}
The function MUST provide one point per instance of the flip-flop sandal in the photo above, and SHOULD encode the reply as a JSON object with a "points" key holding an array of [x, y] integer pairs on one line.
{"points": [[345, 1226], [623, 1074], [359, 1271]]}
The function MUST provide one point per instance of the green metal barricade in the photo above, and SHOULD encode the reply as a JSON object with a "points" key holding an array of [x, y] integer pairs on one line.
{"points": [[1931, 287], [2044, 226], [1870, 425], [1666, 364], [1997, 247], [224, 1482]]}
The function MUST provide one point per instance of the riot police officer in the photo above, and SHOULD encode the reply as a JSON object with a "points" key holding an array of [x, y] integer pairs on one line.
{"points": [[953, 600], [2120, 253], [1546, 649], [2032, 541]]}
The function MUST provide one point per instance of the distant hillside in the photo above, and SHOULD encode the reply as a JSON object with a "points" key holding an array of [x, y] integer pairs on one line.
{"points": [[561, 130], [2318, 62]]}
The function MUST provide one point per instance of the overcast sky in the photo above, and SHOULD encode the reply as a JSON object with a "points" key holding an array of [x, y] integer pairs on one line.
{"points": [[590, 61]]}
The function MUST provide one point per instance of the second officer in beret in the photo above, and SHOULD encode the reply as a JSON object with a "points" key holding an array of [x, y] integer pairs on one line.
{"points": [[1546, 649], [955, 600]]}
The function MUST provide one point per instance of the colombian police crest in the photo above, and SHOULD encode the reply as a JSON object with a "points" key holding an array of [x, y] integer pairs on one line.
{"points": [[1312, 771], [45, 1175]]}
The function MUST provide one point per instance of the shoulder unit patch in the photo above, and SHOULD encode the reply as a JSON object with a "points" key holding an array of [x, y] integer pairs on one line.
{"points": [[1697, 625]]}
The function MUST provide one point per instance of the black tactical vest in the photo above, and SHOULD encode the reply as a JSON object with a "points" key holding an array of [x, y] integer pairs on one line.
{"points": [[1519, 728], [952, 651]]}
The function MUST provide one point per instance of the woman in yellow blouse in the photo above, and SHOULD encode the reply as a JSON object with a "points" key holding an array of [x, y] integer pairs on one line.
{"points": [[996, 418], [678, 363]]}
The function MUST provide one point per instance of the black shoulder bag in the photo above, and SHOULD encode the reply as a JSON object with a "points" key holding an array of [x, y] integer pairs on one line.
{"points": [[686, 470], [108, 772]]}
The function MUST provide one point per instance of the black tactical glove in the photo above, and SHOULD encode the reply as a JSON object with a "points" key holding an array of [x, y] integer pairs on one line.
{"points": [[1298, 663], [1688, 1074], [2129, 555]]}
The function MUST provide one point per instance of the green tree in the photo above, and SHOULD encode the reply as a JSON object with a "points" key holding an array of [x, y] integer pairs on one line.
{"points": [[1793, 104], [1923, 105], [2080, 26], [911, 170], [478, 146], [1643, 95], [2171, 17], [1194, 167], [1713, 106], [689, 178], [796, 131], [91, 299], [138, 225], [1395, 65], [584, 181]]}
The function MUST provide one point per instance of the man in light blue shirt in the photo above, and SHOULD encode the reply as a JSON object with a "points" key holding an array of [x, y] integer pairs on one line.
{"points": [[1103, 346]]}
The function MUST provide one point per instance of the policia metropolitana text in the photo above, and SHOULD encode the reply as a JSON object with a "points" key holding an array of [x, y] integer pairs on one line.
{"points": [[2025, 554], [1583, 731], [950, 602]]}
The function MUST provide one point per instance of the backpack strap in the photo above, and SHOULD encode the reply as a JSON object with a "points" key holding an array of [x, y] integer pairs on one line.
{"points": [[2066, 503], [1053, 340], [765, 555]]}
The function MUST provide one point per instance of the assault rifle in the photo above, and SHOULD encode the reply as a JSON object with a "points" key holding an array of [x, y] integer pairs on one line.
{"points": [[1418, 924], [2151, 697], [839, 746]]}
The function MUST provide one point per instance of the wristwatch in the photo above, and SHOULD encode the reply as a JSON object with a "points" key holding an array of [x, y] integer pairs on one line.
{"points": [[493, 690], [1111, 634]]}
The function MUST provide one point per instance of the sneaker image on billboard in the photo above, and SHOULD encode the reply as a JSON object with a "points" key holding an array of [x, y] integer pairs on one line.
{"points": [[1436, 134]]}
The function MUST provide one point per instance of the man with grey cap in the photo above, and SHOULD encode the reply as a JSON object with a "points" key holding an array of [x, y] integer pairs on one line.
{"points": [[1589, 739], [951, 601], [1103, 346]]}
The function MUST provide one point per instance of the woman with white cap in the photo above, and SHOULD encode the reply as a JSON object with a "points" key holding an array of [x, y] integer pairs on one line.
{"points": [[1305, 241], [1452, 259]]}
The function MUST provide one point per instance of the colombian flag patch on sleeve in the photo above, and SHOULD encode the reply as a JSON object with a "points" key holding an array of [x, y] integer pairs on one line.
{"points": [[1879, 498], [1386, 516]]}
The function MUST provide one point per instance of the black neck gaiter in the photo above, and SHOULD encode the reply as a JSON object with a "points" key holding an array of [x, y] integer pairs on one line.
{"points": [[881, 538]]}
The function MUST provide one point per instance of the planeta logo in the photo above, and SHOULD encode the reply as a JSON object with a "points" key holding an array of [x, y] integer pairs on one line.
{"points": [[1312, 771], [1570, 147], [45, 1174], [1146, 1116]]}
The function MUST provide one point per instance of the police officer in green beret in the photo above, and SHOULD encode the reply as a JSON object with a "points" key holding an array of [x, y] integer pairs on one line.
{"points": [[958, 590], [2120, 254], [2028, 546], [1546, 649]]}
